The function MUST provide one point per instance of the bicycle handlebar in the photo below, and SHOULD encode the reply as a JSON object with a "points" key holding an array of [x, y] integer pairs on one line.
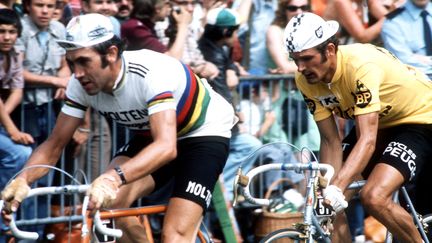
{"points": [[68, 189], [103, 229], [298, 167]]}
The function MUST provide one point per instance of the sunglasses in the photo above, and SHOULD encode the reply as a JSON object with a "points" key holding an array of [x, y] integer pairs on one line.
{"points": [[294, 8]]}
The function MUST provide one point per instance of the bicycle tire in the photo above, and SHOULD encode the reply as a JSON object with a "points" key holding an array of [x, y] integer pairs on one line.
{"points": [[288, 233]]}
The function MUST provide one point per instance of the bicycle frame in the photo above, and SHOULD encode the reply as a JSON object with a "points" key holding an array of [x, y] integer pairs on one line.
{"points": [[146, 210]]}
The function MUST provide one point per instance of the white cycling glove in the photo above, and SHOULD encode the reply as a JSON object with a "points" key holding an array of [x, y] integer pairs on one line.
{"points": [[337, 199], [17, 190]]}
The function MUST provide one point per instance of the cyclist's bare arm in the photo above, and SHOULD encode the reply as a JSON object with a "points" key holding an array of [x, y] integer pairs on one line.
{"points": [[366, 130], [331, 146], [50, 150], [162, 150]]}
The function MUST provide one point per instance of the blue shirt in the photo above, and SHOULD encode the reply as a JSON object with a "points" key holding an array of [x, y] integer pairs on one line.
{"points": [[261, 17], [402, 34], [42, 59]]}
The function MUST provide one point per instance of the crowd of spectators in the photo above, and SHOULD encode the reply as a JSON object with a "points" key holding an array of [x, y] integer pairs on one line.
{"points": [[220, 40]]}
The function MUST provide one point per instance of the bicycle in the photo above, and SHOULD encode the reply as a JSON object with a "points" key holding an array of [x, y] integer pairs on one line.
{"points": [[95, 223], [317, 218]]}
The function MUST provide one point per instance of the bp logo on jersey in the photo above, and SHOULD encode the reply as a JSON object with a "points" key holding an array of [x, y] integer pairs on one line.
{"points": [[362, 95], [310, 104]]}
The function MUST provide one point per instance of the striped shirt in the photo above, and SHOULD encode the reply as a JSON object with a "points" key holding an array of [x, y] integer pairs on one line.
{"points": [[150, 82]]}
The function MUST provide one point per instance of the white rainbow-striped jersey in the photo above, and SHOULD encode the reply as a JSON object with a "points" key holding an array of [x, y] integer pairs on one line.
{"points": [[150, 82]]}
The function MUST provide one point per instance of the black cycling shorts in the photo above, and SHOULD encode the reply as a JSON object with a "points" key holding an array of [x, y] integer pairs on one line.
{"points": [[405, 147], [199, 162]]}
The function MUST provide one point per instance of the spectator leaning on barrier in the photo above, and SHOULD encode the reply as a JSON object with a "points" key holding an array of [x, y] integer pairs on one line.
{"points": [[13, 152], [215, 43], [391, 104], [182, 128], [407, 34], [279, 61], [13, 155], [44, 65], [255, 51]]}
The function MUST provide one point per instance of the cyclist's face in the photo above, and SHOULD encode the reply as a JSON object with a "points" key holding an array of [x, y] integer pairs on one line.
{"points": [[87, 66], [313, 65]]}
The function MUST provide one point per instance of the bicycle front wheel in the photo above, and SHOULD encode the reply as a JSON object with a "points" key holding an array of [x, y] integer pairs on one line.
{"points": [[287, 235]]}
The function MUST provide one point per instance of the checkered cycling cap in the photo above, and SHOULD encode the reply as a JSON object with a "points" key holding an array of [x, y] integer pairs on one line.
{"points": [[307, 30], [87, 30]]}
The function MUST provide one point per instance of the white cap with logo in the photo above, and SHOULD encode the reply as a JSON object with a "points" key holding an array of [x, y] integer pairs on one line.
{"points": [[307, 30], [87, 30]]}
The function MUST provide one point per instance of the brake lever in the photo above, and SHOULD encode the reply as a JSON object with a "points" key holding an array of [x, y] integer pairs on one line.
{"points": [[241, 180]]}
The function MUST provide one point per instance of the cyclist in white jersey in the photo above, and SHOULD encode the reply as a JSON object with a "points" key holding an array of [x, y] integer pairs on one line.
{"points": [[182, 128]]}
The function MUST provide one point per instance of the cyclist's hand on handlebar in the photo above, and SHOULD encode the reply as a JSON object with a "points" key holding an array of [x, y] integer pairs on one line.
{"points": [[103, 191], [335, 198], [14, 193]]}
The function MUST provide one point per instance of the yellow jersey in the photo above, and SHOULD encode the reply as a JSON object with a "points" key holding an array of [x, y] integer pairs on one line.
{"points": [[370, 79]]}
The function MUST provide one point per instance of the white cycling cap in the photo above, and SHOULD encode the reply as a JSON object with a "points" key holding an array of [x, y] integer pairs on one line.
{"points": [[307, 30], [87, 30]]}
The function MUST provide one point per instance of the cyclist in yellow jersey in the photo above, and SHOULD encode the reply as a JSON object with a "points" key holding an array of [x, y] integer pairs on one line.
{"points": [[391, 104]]}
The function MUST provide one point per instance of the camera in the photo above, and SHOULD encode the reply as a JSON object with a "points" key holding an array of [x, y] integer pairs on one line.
{"points": [[177, 9]]}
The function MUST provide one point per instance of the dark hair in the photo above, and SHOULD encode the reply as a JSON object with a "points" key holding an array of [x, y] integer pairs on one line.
{"points": [[102, 48], [280, 18], [10, 17], [217, 33], [26, 4], [249, 88], [322, 47], [143, 9]]}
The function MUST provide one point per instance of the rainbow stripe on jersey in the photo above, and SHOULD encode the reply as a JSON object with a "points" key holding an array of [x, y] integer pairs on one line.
{"points": [[192, 106]]}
